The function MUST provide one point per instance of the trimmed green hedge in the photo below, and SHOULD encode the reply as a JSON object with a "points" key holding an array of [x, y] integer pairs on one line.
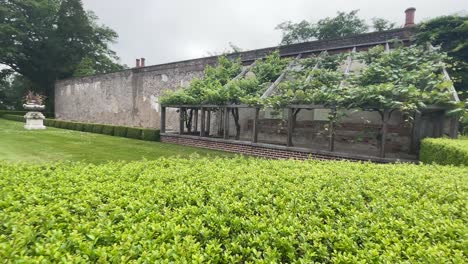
{"points": [[134, 133], [119, 131], [150, 134], [445, 151], [107, 130], [18, 118], [79, 126], [22, 113], [88, 127], [97, 128], [239, 210]]}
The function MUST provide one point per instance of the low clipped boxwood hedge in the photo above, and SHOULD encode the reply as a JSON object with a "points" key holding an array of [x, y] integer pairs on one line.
{"points": [[240, 210], [88, 127], [97, 128], [445, 151], [120, 131], [150, 134], [22, 113], [18, 118], [107, 130], [79, 126], [49, 122], [133, 132]]}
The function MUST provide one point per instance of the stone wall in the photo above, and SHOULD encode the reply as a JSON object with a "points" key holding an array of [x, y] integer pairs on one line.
{"points": [[130, 97]]}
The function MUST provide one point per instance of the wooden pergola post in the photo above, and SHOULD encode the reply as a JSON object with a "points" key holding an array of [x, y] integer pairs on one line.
{"points": [[163, 120], [181, 120], [202, 122], [255, 126], [290, 127], [226, 122], [196, 121], [208, 122], [453, 133], [332, 127], [386, 114]]}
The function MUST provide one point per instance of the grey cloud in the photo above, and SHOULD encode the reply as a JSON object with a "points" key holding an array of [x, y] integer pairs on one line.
{"points": [[171, 30]]}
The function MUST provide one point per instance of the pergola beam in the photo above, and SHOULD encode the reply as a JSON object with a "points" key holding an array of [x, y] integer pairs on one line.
{"points": [[278, 80]]}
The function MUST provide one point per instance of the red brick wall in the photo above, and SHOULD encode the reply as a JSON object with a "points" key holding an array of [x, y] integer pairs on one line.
{"points": [[251, 150]]}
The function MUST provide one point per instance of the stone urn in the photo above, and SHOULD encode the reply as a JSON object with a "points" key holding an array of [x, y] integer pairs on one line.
{"points": [[34, 118]]}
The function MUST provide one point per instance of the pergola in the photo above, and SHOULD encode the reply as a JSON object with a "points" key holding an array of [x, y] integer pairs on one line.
{"points": [[205, 111]]}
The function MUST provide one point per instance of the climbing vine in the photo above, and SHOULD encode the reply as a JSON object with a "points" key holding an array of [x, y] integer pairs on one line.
{"points": [[405, 78]]}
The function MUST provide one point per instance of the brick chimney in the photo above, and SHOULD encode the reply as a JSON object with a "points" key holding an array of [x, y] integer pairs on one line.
{"points": [[410, 17], [142, 62], [137, 63]]}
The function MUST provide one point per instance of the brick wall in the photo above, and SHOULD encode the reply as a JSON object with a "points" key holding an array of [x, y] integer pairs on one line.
{"points": [[261, 151]]}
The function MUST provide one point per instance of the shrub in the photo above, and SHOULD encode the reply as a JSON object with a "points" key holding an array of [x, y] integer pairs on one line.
{"points": [[97, 128], [233, 211], [107, 130], [58, 123], [49, 122], [70, 125], [18, 118], [88, 127], [150, 134], [120, 131], [10, 112], [64, 124], [445, 151], [133, 132], [79, 126]]}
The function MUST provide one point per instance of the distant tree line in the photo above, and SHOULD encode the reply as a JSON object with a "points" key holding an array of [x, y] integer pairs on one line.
{"points": [[343, 24]]}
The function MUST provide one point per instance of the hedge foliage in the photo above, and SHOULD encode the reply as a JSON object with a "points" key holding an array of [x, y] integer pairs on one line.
{"points": [[445, 151], [22, 113], [120, 131], [97, 128], [18, 118], [233, 211], [133, 132], [108, 130]]}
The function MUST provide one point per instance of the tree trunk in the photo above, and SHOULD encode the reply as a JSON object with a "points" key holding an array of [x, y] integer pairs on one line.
{"points": [[386, 114], [235, 115], [188, 120], [295, 113]]}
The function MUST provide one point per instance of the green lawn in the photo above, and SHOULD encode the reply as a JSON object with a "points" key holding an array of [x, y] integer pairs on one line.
{"points": [[52, 144]]}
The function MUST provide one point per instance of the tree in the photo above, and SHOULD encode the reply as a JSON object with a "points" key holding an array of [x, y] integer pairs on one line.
{"points": [[381, 24], [297, 32], [344, 24], [46, 40], [451, 34], [12, 89]]}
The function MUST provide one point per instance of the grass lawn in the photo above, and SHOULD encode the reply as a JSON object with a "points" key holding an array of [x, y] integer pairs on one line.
{"points": [[52, 144]]}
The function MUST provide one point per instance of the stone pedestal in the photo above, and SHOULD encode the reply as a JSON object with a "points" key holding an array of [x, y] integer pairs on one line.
{"points": [[34, 119]]}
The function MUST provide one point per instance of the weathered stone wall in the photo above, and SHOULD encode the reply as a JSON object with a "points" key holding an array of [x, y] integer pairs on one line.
{"points": [[130, 97], [123, 98]]}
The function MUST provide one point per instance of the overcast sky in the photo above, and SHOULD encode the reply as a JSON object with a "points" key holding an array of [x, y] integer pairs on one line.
{"points": [[170, 30]]}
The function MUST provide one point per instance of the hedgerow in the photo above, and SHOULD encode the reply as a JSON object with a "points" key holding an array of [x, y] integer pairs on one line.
{"points": [[120, 131], [97, 128], [445, 151], [133, 132], [233, 211], [108, 130]]}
